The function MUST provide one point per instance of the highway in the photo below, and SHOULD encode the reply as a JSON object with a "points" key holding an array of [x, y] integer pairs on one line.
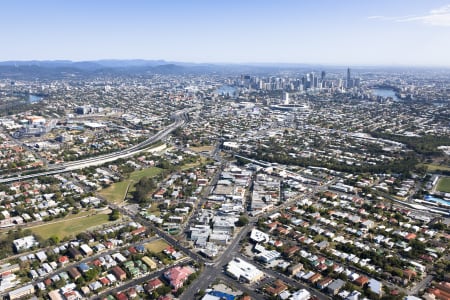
{"points": [[180, 119]]}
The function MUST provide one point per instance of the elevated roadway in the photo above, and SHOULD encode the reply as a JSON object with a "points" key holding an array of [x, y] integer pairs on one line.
{"points": [[180, 119]]}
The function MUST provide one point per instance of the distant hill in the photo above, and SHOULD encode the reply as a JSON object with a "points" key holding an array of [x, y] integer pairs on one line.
{"points": [[54, 69]]}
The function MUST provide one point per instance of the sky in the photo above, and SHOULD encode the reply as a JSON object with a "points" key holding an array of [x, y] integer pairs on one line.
{"points": [[328, 32]]}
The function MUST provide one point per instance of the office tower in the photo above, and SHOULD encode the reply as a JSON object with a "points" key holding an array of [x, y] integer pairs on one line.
{"points": [[12, 87], [286, 98], [349, 80], [313, 80], [322, 75], [308, 81]]}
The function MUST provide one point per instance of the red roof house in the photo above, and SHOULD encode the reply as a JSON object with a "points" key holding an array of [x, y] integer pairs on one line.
{"points": [[178, 275]]}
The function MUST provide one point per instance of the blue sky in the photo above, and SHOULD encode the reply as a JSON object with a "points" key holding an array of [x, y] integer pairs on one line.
{"points": [[335, 32]]}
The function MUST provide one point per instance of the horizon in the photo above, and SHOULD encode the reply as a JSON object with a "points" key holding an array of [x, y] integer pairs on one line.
{"points": [[249, 64], [353, 33]]}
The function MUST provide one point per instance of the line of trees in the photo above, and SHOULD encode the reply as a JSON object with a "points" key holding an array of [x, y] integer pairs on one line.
{"points": [[425, 145], [142, 189], [402, 166]]}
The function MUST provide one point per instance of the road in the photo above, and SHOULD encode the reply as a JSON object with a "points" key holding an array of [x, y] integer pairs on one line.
{"points": [[174, 242], [180, 119], [421, 285], [289, 281], [214, 270], [203, 197], [211, 272]]}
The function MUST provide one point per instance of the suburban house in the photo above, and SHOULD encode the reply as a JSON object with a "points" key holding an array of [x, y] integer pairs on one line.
{"points": [[178, 275]]}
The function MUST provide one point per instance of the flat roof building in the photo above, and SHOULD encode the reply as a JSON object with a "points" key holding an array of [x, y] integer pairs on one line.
{"points": [[242, 270]]}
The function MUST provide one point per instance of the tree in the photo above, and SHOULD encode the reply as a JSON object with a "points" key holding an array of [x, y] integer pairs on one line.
{"points": [[142, 189], [91, 274], [54, 240], [162, 290], [243, 221], [85, 237], [114, 215], [179, 291], [200, 293]]}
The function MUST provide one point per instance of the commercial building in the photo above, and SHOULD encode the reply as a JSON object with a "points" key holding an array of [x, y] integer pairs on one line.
{"points": [[301, 295], [258, 236], [244, 271], [268, 256]]}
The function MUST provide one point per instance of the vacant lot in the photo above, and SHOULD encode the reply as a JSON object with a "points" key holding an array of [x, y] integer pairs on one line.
{"points": [[156, 246], [444, 185], [198, 163], [149, 172], [118, 191], [154, 210], [69, 226], [202, 149], [435, 167]]}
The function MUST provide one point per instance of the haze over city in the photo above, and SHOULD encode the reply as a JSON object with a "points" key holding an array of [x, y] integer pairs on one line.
{"points": [[403, 32]]}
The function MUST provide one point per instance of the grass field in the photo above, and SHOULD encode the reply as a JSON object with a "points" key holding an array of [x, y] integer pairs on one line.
{"points": [[433, 167], [116, 193], [69, 226], [201, 149], [443, 185], [154, 210], [156, 246], [196, 164], [149, 172]]}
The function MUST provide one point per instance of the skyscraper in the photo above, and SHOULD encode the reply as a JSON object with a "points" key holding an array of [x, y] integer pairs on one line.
{"points": [[286, 98], [323, 75], [349, 79], [313, 80]]}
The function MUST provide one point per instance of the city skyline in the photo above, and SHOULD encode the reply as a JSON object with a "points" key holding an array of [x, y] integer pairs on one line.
{"points": [[354, 33]]}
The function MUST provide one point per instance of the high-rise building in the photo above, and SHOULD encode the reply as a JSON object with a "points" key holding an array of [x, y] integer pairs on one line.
{"points": [[322, 75], [308, 81], [349, 79], [286, 98]]}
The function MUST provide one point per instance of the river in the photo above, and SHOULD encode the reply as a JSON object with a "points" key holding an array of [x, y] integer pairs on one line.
{"points": [[385, 93], [34, 99], [226, 91]]}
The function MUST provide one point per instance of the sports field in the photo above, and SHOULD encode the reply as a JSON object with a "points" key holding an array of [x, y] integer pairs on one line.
{"points": [[69, 226], [435, 167], [156, 246], [118, 191], [443, 185]]}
